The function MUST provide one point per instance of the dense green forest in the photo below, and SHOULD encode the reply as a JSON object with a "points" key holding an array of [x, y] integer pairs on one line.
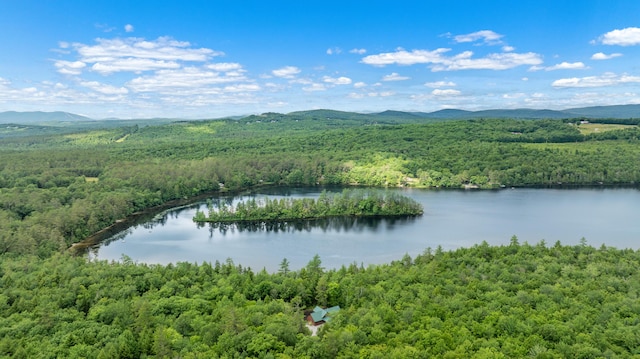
{"points": [[60, 185], [512, 301], [349, 202], [58, 189]]}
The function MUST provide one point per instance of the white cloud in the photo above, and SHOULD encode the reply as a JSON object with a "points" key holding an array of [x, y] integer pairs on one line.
{"points": [[606, 79], [445, 93], [403, 57], [625, 37], [387, 93], [132, 65], [439, 84], [487, 36], [286, 72], [57, 95], [358, 51], [507, 48], [104, 88], [337, 81], [301, 81], [242, 88], [166, 81], [394, 76], [132, 54], [356, 95], [525, 79], [603, 56], [502, 61], [70, 67], [334, 50], [224, 66], [314, 87], [163, 48], [462, 61], [566, 66], [359, 85], [128, 28], [510, 96]]}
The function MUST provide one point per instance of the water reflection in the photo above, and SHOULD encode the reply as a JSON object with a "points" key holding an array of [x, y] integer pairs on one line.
{"points": [[452, 219], [337, 224]]}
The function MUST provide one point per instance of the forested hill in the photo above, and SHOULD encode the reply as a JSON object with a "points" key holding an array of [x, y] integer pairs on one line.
{"points": [[38, 117], [392, 116], [513, 301]]}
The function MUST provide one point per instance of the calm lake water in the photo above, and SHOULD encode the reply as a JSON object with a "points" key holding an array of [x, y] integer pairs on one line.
{"points": [[452, 219]]}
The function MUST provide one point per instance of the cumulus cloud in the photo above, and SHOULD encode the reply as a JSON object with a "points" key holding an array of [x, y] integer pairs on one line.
{"points": [[70, 67], [132, 65], [242, 88], [606, 79], [359, 85], [487, 36], [507, 48], [128, 28], [314, 87], [603, 56], [104, 88], [445, 93], [286, 72], [462, 61], [511, 96], [132, 54], [403, 57], [439, 84], [334, 50], [561, 66], [624, 37], [162, 48], [165, 81], [394, 76], [358, 51], [224, 66], [337, 81]]}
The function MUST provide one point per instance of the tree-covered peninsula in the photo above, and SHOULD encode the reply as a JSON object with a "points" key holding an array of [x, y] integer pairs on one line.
{"points": [[349, 202]]}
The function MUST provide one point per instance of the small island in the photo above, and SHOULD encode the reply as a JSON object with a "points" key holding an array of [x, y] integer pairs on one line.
{"points": [[348, 203]]}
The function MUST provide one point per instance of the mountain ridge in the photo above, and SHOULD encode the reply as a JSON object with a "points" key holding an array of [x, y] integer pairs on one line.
{"points": [[612, 111]]}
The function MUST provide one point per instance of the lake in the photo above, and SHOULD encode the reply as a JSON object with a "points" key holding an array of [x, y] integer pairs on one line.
{"points": [[452, 219]]}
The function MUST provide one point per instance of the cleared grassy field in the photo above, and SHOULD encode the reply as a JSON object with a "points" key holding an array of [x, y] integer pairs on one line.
{"points": [[589, 128]]}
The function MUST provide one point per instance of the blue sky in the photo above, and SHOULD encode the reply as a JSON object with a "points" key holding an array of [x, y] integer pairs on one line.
{"points": [[208, 59]]}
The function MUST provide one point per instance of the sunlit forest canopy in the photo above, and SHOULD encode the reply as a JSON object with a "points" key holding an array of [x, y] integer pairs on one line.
{"points": [[57, 189]]}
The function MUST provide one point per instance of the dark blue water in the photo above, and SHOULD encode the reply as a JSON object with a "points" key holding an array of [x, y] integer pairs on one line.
{"points": [[452, 219]]}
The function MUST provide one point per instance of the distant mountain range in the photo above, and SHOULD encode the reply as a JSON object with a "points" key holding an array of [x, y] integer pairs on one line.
{"points": [[35, 117], [616, 111]]}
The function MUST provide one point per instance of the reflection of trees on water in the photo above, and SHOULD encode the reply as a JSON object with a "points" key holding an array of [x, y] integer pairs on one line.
{"points": [[154, 218], [337, 224], [92, 251]]}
